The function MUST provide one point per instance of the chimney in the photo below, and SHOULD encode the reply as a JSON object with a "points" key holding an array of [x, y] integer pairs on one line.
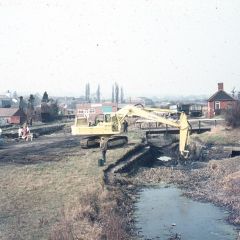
{"points": [[220, 86]]}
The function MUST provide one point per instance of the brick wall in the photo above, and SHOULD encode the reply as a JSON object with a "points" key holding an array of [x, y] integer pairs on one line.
{"points": [[224, 105]]}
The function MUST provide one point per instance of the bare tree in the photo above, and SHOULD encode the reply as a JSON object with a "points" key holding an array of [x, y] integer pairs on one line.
{"points": [[121, 95], [87, 92], [98, 94], [233, 91], [116, 93], [232, 116], [113, 94], [30, 109]]}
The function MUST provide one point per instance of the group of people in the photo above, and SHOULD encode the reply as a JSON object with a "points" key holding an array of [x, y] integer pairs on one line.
{"points": [[24, 132]]}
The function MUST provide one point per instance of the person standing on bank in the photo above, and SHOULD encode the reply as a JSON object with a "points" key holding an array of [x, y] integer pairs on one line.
{"points": [[103, 147], [125, 126]]}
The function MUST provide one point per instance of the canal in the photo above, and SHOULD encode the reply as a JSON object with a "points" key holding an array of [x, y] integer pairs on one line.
{"points": [[164, 213]]}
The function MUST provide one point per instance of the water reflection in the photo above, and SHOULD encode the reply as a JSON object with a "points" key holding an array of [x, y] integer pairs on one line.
{"points": [[163, 212]]}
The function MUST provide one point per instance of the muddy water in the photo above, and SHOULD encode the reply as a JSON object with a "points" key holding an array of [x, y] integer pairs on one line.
{"points": [[163, 212]]}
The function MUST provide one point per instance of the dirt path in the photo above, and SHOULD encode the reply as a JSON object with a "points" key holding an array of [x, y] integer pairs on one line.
{"points": [[45, 148]]}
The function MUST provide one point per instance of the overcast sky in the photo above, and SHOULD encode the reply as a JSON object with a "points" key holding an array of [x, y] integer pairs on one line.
{"points": [[150, 47]]}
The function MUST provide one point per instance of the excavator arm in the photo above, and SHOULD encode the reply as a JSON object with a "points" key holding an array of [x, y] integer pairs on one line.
{"points": [[149, 113], [113, 126]]}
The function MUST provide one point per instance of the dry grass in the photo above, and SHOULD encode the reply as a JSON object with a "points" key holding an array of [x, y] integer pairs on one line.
{"points": [[96, 215], [45, 199], [219, 135]]}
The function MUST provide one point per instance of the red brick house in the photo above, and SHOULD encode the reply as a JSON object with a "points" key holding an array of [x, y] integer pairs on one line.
{"points": [[219, 102], [12, 115], [91, 110]]}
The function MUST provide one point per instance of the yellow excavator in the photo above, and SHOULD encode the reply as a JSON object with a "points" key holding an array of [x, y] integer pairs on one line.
{"points": [[111, 124]]}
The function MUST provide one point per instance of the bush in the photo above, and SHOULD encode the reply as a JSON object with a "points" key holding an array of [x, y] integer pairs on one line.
{"points": [[232, 116]]}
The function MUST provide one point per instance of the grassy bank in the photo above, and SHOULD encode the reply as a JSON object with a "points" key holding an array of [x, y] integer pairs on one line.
{"points": [[219, 136], [45, 199]]}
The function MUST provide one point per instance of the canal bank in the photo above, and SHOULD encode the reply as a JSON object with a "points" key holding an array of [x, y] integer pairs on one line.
{"points": [[214, 181]]}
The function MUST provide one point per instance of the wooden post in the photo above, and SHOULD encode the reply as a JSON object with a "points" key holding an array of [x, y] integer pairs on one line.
{"points": [[199, 126]]}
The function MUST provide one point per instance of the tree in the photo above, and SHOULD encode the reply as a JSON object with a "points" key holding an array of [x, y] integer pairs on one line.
{"points": [[232, 116], [54, 109], [21, 103], [45, 98], [233, 92], [49, 111], [98, 94], [113, 94], [116, 93], [30, 109], [121, 96], [87, 92]]}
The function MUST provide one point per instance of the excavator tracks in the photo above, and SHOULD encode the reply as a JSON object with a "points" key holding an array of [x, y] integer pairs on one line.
{"points": [[117, 141], [112, 142], [90, 142]]}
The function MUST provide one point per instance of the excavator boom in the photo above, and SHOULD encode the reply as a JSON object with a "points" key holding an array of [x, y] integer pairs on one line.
{"points": [[114, 124]]}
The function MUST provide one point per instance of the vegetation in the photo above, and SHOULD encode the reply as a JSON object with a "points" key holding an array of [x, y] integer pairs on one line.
{"points": [[116, 93], [98, 94], [22, 103], [232, 116], [49, 109], [218, 136], [30, 109], [113, 97], [87, 93], [121, 96], [59, 197], [45, 98]]}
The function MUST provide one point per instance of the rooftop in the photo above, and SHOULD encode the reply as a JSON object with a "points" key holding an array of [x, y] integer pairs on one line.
{"points": [[221, 96], [8, 112]]}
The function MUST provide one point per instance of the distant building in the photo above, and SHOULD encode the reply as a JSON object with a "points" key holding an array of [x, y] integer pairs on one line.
{"points": [[140, 100], [12, 115], [220, 102], [183, 108], [5, 101], [91, 110]]}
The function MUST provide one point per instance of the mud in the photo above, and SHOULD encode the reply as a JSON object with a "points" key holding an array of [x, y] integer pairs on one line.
{"points": [[45, 148]]}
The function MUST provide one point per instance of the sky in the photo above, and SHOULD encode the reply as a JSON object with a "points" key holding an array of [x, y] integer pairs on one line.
{"points": [[149, 47]]}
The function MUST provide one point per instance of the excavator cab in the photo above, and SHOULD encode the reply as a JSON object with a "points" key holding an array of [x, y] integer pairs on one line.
{"points": [[81, 121]]}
